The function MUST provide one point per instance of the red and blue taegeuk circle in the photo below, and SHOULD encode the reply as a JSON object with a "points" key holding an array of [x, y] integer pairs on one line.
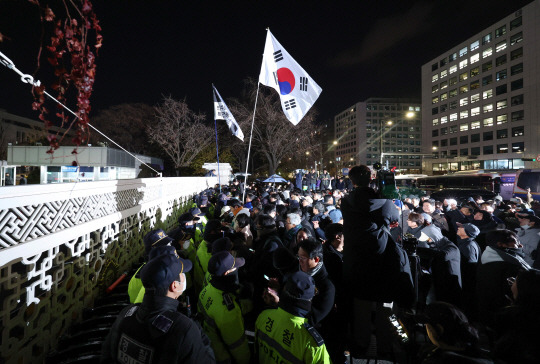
{"points": [[286, 80]]}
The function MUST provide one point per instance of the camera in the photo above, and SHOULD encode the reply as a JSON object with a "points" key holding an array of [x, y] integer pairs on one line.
{"points": [[410, 243]]}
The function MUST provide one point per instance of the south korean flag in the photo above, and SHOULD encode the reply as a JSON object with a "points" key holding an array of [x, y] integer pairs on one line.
{"points": [[297, 91], [222, 112]]}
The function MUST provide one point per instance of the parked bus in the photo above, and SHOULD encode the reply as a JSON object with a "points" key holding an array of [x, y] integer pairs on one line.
{"points": [[406, 184], [527, 178], [501, 182]]}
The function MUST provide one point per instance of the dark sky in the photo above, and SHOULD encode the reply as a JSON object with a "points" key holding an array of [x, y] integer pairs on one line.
{"points": [[353, 50]]}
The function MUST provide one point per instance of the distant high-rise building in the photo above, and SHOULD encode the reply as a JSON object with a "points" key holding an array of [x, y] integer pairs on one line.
{"points": [[480, 99], [359, 139]]}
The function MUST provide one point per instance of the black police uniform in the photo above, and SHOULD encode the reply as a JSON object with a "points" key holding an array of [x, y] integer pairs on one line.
{"points": [[154, 332]]}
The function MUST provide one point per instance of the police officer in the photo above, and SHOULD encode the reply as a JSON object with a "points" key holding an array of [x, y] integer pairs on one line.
{"points": [[154, 331], [283, 335], [153, 239], [222, 313]]}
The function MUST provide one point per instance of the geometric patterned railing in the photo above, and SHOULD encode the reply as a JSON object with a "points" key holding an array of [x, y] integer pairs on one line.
{"points": [[62, 244]]}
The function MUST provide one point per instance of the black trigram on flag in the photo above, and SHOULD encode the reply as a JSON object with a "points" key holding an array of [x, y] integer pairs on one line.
{"points": [[303, 83], [290, 104], [278, 56], [275, 78]]}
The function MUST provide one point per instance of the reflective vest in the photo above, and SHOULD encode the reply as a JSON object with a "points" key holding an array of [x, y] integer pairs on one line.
{"points": [[224, 325], [201, 265], [281, 337], [135, 287]]}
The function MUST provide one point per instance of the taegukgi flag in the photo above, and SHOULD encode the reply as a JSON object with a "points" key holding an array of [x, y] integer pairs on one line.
{"points": [[222, 112], [297, 91]]}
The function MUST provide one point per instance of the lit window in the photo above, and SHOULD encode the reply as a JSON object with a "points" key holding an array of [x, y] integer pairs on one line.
{"points": [[487, 52], [488, 122], [518, 147], [453, 92], [435, 99], [444, 119], [464, 127], [500, 31], [486, 39], [434, 78], [464, 89], [475, 98], [464, 114], [464, 101], [453, 69], [444, 85], [475, 111], [452, 57], [463, 76], [463, 51], [475, 45], [453, 117], [518, 131], [516, 38], [502, 148], [475, 125], [435, 121], [452, 81], [453, 129], [502, 119], [434, 89], [487, 108], [475, 85], [502, 104], [475, 58], [475, 71], [463, 64], [501, 46], [444, 96], [444, 73]]}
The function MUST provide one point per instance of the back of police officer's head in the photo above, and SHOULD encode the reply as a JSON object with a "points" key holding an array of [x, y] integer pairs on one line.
{"points": [[360, 175], [164, 274], [298, 291]]}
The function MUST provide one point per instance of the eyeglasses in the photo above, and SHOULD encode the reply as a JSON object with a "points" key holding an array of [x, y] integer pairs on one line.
{"points": [[302, 258], [511, 280]]}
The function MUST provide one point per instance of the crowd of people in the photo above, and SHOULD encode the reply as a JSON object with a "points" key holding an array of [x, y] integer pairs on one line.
{"points": [[308, 270]]}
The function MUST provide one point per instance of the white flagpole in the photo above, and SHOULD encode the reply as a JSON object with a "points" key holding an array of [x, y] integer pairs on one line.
{"points": [[249, 148]]}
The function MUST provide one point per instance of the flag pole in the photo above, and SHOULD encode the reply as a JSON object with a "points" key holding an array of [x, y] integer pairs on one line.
{"points": [[250, 138], [217, 147]]}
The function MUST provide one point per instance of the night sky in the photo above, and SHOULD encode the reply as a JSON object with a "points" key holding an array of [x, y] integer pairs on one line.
{"points": [[353, 50]]}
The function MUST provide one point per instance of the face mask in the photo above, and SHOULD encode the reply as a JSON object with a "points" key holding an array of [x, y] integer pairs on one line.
{"points": [[525, 227], [185, 245], [184, 284]]}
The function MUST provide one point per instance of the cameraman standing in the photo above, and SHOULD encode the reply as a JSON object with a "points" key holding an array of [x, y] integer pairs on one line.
{"points": [[375, 268]]}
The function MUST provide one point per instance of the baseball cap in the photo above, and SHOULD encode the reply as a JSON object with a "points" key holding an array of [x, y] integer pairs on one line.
{"points": [[160, 250], [529, 216], [156, 238], [427, 217], [195, 211], [162, 270], [398, 203], [222, 244], [300, 285], [335, 215], [223, 261], [187, 217], [471, 230], [224, 210]]}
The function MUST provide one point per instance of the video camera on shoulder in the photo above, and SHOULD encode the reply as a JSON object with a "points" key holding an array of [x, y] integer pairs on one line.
{"points": [[385, 182], [410, 244]]}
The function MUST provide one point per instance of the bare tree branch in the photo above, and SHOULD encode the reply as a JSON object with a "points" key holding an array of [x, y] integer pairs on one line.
{"points": [[179, 131]]}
